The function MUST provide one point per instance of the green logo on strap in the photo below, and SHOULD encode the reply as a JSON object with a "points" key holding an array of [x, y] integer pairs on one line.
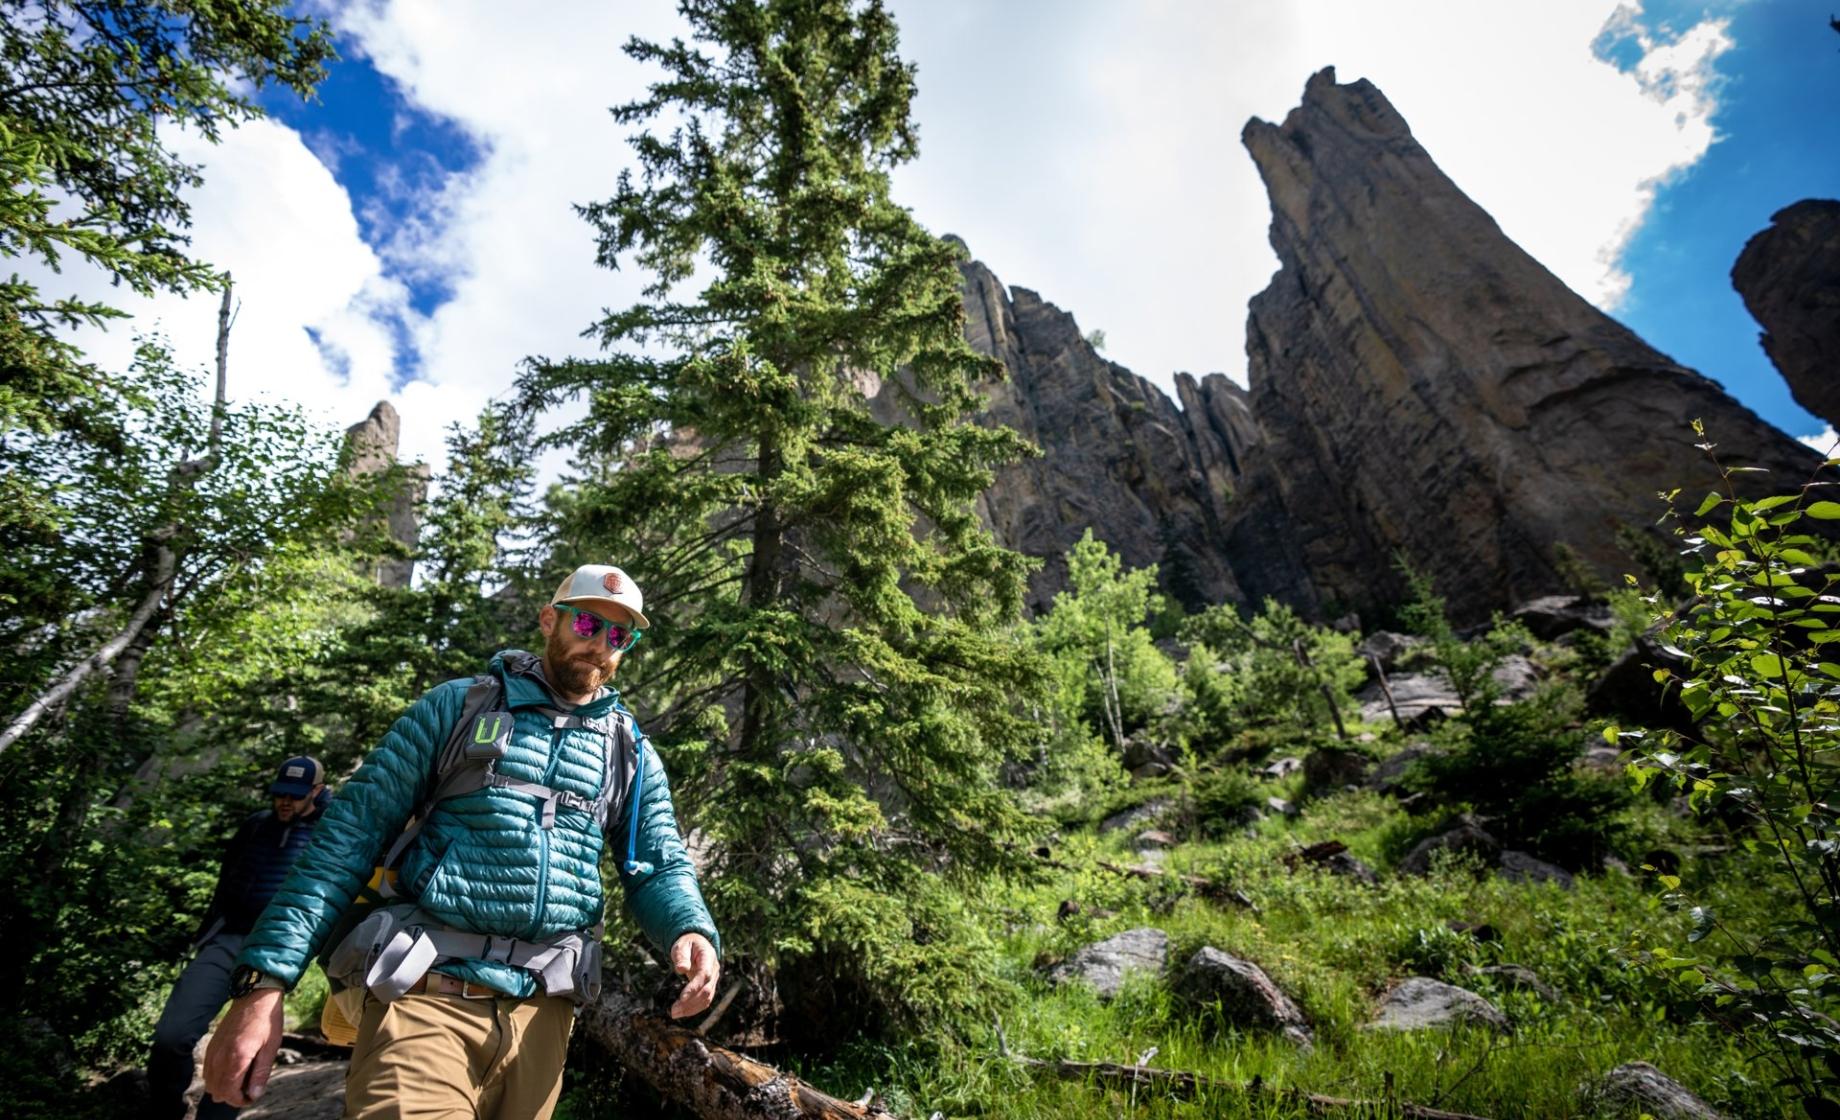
{"points": [[484, 733]]}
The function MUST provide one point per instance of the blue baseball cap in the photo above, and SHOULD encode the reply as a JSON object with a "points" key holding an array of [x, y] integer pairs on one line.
{"points": [[297, 777]]}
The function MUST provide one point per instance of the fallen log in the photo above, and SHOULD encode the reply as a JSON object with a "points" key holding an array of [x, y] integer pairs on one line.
{"points": [[710, 1082]]}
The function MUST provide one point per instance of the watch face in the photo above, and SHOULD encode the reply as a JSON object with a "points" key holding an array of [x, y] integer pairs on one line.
{"points": [[243, 981]]}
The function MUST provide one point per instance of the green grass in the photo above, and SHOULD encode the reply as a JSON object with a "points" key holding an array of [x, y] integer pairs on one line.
{"points": [[1334, 946]]}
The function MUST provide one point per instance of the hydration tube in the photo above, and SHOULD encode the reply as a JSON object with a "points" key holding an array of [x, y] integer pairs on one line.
{"points": [[633, 866]]}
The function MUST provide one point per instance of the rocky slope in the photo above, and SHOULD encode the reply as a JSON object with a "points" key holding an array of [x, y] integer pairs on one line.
{"points": [[1150, 479], [1789, 276], [1420, 386]]}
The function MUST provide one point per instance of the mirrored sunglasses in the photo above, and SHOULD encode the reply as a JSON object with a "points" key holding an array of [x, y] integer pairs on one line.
{"points": [[619, 638]]}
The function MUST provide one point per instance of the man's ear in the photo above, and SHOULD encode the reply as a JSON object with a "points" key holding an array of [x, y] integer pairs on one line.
{"points": [[546, 620]]}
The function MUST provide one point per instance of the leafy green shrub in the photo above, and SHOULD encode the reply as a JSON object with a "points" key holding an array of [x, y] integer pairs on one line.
{"points": [[1514, 764], [1468, 665], [1764, 693], [1106, 672], [1222, 800], [1436, 951], [1277, 668]]}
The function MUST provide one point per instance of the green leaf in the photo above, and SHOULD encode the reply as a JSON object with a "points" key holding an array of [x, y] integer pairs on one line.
{"points": [[1610, 733], [1824, 511], [1709, 504], [1769, 666]]}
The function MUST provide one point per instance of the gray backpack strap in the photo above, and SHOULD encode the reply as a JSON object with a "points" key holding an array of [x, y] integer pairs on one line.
{"points": [[464, 764], [617, 759]]}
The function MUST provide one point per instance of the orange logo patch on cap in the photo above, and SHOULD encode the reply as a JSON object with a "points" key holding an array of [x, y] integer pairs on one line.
{"points": [[611, 581]]}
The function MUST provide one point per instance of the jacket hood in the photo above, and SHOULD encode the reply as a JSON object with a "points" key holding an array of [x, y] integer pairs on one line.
{"points": [[526, 686]]}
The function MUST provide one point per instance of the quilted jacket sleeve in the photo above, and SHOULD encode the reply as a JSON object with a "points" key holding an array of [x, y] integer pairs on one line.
{"points": [[666, 901], [363, 819]]}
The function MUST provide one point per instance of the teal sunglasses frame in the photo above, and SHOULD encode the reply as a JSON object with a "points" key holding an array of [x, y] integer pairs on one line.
{"points": [[602, 624]]}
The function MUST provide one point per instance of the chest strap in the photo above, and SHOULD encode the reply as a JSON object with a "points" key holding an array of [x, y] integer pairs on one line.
{"points": [[550, 797]]}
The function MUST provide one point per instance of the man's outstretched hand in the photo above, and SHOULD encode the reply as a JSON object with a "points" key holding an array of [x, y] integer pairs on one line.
{"points": [[243, 1049], [693, 956]]}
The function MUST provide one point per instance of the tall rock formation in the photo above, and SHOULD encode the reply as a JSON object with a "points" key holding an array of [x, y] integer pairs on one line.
{"points": [[1426, 388], [1117, 455], [373, 444], [1789, 276]]}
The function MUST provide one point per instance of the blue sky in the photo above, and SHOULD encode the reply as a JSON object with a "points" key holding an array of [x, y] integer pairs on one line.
{"points": [[1779, 116], [410, 235]]}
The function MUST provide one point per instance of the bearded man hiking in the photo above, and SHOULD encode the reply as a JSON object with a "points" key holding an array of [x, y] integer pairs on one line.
{"points": [[479, 822]]}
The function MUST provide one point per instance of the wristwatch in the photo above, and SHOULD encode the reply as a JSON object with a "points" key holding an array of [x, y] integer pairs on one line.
{"points": [[246, 979]]}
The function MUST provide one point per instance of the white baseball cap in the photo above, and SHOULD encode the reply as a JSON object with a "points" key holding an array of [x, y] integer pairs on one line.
{"points": [[594, 585]]}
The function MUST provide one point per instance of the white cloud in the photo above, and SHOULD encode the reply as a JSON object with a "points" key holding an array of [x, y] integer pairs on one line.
{"points": [[1823, 441], [271, 213], [1086, 149]]}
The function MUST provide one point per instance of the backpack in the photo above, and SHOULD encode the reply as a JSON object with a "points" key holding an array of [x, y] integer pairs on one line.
{"points": [[466, 764]]}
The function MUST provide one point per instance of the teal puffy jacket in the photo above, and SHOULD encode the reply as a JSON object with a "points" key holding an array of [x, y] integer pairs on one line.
{"points": [[483, 862]]}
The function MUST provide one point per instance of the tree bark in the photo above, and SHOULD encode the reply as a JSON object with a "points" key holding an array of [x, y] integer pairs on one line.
{"points": [[710, 1082], [54, 696], [160, 563]]}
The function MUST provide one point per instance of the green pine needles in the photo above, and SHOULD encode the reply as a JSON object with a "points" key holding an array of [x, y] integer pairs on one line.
{"points": [[787, 463]]}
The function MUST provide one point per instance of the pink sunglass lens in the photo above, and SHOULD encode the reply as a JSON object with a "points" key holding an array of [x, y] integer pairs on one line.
{"points": [[586, 624]]}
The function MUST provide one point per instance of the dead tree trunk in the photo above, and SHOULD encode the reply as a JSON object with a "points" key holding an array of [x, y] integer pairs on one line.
{"points": [[710, 1082], [1300, 650], [1386, 690]]}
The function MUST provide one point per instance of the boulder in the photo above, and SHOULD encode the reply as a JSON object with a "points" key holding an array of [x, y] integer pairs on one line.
{"points": [[1517, 677], [1553, 616], [1420, 1003], [1331, 768], [1789, 276], [1154, 838], [1467, 838], [1627, 687], [1139, 816], [1388, 648], [1519, 867], [1247, 997], [1146, 758], [1105, 964], [1280, 807], [1640, 1086], [1280, 768], [1390, 771], [1414, 695]]}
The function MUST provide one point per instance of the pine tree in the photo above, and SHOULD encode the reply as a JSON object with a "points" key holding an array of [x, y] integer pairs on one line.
{"points": [[833, 674]]}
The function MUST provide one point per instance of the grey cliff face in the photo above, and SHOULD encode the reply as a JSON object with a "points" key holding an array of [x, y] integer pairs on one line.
{"points": [[1425, 387], [373, 443], [1789, 276], [1117, 455]]}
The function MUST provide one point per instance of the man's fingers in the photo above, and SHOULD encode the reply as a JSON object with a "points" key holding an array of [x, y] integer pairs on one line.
{"points": [[681, 955], [264, 1066]]}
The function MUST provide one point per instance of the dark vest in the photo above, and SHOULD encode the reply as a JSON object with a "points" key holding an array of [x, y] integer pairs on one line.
{"points": [[256, 861]]}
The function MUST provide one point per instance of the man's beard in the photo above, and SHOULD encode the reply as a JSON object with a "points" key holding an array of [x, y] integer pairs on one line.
{"points": [[576, 675]]}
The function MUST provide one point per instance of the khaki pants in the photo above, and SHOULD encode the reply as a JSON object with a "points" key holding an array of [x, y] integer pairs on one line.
{"points": [[440, 1057]]}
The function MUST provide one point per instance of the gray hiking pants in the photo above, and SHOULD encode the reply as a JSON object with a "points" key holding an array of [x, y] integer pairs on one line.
{"points": [[197, 996]]}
